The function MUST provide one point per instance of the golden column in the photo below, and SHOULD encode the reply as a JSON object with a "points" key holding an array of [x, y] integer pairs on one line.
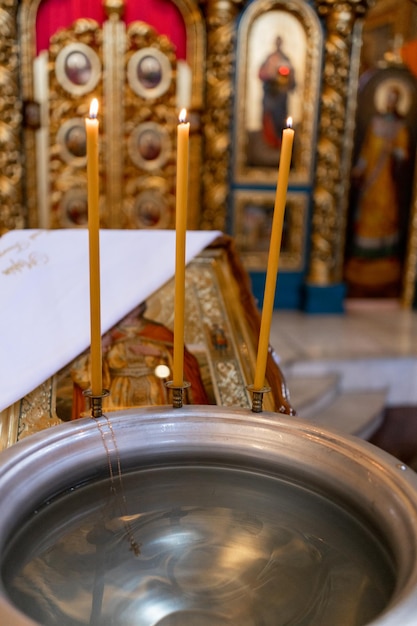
{"points": [[220, 18], [12, 214], [114, 48], [335, 137]]}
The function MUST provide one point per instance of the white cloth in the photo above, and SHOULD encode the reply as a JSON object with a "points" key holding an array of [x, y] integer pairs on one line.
{"points": [[45, 301]]}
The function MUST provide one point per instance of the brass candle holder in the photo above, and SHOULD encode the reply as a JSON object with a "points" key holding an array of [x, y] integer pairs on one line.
{"points": [[96, 401], [177, 393], [257, 397]]}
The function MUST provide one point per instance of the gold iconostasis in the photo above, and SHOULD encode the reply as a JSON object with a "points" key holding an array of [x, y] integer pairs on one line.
{"points": [[240, 69]]}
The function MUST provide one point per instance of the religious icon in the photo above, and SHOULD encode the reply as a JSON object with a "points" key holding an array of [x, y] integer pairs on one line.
{"points": [[149, 73], [278, 78], [381, 190], [219, 338], [279, 59], [78, 68], [150, 210], [253, 224], [74, 208], [75, 140], [71, 139], [149, 146], [137, 362]]}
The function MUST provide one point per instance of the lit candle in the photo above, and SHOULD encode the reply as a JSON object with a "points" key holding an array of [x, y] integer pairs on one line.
{"points": [[273, 257], [183, 132], [91, 126]]}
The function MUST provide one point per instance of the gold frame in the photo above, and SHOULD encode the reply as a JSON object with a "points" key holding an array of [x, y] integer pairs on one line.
{"points": [[306, 26], [150, 209], [77, 123], [217, 294], [162, 154], [154, 91], [255, 256], [73, 208], [78, 88]]}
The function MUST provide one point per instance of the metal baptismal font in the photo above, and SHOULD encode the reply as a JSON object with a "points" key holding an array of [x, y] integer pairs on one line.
{"points": [[205, 515]]}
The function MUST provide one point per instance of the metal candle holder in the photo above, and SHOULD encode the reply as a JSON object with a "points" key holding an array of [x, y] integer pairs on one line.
{"points": [[177, 393], [96, 401], [257, 397]]}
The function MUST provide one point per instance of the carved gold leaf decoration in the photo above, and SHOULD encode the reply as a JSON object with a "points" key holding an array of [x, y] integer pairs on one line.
{"points": [[216, 118], [328, 218], [12, 214]]}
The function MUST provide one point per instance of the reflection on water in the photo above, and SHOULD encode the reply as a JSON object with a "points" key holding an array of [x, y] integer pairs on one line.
{"points": [[218, 546]]}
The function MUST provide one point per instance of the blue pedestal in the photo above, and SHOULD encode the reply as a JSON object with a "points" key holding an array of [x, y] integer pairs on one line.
{"points": [[324, 299], [288, 292], [294, 294]]}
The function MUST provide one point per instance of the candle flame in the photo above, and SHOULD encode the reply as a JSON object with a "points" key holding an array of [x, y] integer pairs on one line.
{"points": [[182, 116], [94, 108], [289, 122]]}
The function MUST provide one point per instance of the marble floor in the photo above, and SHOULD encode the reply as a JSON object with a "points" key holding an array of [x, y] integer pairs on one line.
{"points": [[366, 330], [347, 371]]}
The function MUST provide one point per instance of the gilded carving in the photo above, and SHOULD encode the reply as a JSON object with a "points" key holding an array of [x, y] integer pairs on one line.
{"points": [[408, 294], [124, 110], [12, 214], [36, 410], [328, 197], [216, 118], [157, 112], [114, 7], [70, 97]]}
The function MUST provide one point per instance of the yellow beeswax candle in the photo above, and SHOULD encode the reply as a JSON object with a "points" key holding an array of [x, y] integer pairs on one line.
{"points": [[183, 132], [92, 127], [273, 257]]}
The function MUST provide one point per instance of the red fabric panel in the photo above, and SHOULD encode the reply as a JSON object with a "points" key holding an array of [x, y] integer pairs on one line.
{"points": [[55, 14], [163, 15]]}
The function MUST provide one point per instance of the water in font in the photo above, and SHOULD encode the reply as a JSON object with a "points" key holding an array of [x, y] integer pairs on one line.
{"points": [[217, 546]]}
